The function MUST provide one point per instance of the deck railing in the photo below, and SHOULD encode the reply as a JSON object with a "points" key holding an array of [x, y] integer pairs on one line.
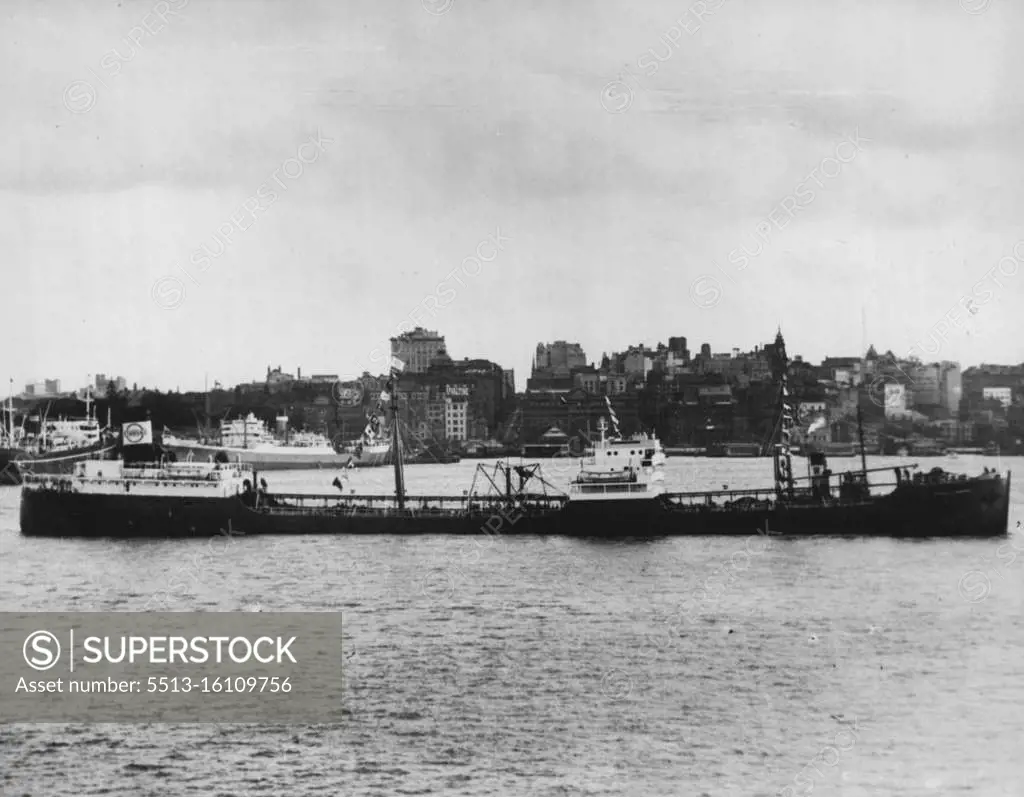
{"points": [[426, 504], [596, 488]]}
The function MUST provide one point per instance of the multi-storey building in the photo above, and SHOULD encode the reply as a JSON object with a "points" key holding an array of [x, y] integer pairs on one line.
{"points": [[926, 385], [482, 389], [554, 365], [45, 387], [936, 388], [844, 371], [277, 380], [103, 383], [635, 362], [456, 412], [895, 400], [1004, 395], [950, 387], [417, 349], [1003, 377], [559, 356], [575, 411]]}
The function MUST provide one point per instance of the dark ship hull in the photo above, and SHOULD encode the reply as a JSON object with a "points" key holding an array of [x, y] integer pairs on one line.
{"points": [[69, 514], [15, 463], [977, 507]]}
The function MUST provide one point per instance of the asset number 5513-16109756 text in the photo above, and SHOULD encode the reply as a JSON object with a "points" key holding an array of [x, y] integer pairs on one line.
{"points": [[227, 685]]}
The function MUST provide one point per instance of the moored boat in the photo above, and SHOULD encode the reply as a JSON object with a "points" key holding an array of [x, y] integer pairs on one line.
{"points": [[55, 448], [735, 450], [368, 452], [373, 448], [247, 441]]}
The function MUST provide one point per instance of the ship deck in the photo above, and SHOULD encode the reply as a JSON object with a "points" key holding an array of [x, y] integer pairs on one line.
{"points": [[439, 505], [759, 499]]}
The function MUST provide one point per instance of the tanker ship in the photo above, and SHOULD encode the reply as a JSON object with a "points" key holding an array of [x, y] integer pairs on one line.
{"points": [[618, 492]]}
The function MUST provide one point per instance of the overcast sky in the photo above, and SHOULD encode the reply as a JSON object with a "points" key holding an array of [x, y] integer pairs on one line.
{"points": [[623, 210]]}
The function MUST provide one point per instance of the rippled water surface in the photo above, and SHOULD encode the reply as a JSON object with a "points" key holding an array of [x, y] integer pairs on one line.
{"points": [[545, 666]]}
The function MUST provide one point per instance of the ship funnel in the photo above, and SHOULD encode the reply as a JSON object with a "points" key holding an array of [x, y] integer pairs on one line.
{"points": [[137, 444], [282, 424], [820, 481], [137, 433]]}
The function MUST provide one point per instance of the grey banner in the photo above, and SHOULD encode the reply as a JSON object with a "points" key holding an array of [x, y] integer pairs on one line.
{"points": [[250, 667]]}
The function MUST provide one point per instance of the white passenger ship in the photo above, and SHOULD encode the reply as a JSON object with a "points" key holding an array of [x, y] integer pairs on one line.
{"points": [[248, 441]]}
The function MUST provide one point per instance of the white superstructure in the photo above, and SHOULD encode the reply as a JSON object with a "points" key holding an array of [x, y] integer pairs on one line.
{"points": [[182, 479], [616, 469], [64, 434], [249, 432]]}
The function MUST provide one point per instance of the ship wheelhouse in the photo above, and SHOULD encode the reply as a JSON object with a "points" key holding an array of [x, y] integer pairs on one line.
{"points": [[616, 468]]}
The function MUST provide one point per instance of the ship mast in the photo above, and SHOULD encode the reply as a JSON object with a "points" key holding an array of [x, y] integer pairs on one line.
{"points": [[783, 459], [396, 443], [860, 435], [10, 413], [42, 426], [863, 379]]}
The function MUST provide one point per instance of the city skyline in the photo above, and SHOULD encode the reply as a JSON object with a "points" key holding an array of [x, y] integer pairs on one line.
{"points": [[622, 182], [210, 382]]}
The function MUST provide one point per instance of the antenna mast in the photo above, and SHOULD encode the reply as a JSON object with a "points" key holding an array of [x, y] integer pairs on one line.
{"points": [[783, 459], [396, 442]]}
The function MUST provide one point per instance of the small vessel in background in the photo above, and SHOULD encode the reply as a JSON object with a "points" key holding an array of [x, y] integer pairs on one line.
{"points": [[735, 450], [830, 449], [8, 442], [686, 451], [247, 441], [368, 452], [488, 449], [55, 447], [373, 448]]}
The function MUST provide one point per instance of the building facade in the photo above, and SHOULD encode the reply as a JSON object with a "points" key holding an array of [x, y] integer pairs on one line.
{"points": [[417, 349]]}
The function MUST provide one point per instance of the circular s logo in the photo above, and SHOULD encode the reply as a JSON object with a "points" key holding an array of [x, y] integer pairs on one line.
{"points": [[133, 433], [886, 392], [168, 292], [616, 97], [41, 650], [705, 291], [438, 585], [616, 684], [348, 394], [974, 586], [975, 7]]}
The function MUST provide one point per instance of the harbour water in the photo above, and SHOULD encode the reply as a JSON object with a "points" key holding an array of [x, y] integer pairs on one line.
{"points": [[527, 666]]}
